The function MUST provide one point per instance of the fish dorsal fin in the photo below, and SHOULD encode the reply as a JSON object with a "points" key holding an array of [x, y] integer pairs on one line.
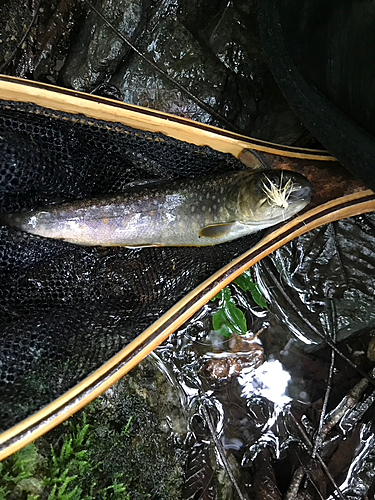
{"points": [[216, 231]]}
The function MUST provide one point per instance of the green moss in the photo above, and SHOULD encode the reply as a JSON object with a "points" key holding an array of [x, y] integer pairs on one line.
{"points": [[32, 474], [17, 478], [116, 449], [151, 470]]}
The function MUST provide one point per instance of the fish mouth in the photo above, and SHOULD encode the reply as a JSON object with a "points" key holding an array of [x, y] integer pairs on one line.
{"points": [[283, 189], [302, 193], [299, 196]]}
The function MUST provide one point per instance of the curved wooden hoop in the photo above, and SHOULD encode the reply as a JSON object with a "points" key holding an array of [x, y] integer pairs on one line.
{"points": [[100, 108]]}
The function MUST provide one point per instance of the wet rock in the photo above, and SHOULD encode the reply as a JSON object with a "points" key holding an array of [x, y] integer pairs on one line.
{"points": [[245, 357], [50, 42], [232, 366], [371, 349], [151, 454], [124, 445], [14, 16], [231, 32], [97, 49], [189, 63], [322, 284], [211, 48], [34, 37]]}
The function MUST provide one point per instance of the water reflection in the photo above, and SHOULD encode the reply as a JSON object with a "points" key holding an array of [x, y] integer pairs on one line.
{"points": [[269, 381]]}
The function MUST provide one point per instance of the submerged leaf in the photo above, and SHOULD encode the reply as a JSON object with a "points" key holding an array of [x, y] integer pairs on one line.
{"points": [[199, 481], [221, 324], [236, 317], [246, 283], [230, 319]]}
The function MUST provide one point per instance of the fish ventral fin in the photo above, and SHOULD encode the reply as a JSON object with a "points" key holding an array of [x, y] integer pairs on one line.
{"points": [[216, 231]]}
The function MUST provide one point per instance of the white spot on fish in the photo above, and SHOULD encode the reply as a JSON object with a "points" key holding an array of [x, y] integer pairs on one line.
{"points": [[174, 200], [135, 219], [32, 221], [73, 224], [170, 217], [120, 230]]}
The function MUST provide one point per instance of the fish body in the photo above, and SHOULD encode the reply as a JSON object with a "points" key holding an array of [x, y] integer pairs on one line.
{"points": [[191, 212]]}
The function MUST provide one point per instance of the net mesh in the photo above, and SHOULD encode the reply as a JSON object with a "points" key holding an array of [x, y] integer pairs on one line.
{"points": [[66, 309]]}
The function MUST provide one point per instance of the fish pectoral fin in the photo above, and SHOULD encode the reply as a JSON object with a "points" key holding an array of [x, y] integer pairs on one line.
{"points": [[216, 231]]}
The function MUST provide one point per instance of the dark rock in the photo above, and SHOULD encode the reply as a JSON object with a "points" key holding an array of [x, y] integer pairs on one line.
{"points": [[97, 49]]}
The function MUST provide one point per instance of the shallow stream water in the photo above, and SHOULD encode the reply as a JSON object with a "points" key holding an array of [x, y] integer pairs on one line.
{"points": [[265, 407]]}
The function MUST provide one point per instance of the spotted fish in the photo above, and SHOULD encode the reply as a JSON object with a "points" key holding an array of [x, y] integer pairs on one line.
{"points": [[191, 212]]}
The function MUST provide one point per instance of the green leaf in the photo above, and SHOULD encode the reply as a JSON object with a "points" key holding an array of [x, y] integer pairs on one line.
{"points": [[126, 429], [246, 283], [229, 319], [67, 450], [236, 317], [65, 484], [227, 295], [81, 435], [221, 324], [3, 493], [259, 297], [31, 486], [52, 495], [219, 296]]}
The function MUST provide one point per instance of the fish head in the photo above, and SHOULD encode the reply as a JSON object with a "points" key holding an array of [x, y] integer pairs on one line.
{"points": [[269, 197]]}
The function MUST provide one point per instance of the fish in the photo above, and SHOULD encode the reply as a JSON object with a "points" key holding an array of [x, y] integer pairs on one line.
{"points": [[199, 211]]}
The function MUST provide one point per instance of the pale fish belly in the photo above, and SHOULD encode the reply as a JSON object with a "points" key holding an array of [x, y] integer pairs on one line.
{"points": [[108, 225], [137, 230], [168, 220]]}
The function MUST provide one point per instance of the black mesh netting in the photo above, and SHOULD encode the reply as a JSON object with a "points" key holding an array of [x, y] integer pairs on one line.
{"points": [[67, 309]]}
